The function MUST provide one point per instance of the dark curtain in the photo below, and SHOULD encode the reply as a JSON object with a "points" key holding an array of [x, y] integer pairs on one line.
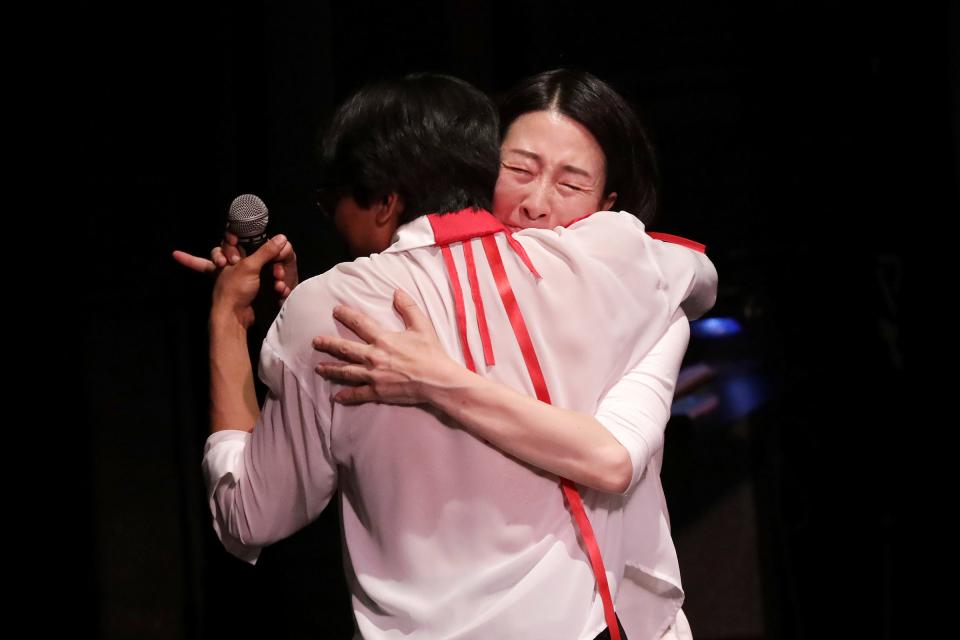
{"points": [[795, 139]]}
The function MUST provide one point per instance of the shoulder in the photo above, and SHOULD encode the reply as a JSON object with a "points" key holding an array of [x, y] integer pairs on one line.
{"points": [[625, 221], [621, 220], [308, 310], [367, 284], [679, 240], [611, 230]]}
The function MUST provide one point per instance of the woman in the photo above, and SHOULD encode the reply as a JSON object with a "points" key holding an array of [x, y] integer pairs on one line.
{"points": [[571, 146]]}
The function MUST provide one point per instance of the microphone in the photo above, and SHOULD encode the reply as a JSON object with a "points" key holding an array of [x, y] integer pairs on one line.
{"points": [[248, 220]]}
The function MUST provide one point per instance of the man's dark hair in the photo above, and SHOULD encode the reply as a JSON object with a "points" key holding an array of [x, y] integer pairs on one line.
{"points": [[431, 138], [631, 165]]}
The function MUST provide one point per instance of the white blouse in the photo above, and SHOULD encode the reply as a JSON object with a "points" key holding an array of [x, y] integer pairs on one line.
{"points": [[445, 536]]}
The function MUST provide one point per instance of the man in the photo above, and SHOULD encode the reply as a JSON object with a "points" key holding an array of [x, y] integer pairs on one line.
{"points": [[445, 536]]}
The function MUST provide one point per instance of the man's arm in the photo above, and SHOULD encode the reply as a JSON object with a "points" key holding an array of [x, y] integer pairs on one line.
{"points": [[267, 473], [265, 485], [233, 400]]}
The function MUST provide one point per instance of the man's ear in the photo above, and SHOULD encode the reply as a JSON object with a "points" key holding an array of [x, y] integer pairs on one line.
{"points": [[608, 202], [388, 210]]}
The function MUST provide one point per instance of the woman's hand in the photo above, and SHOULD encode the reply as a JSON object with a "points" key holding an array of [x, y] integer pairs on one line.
{"points": [[392, 367]]}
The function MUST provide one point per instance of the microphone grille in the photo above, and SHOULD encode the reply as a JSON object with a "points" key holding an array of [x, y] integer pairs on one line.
{"points": [[248, 216]]}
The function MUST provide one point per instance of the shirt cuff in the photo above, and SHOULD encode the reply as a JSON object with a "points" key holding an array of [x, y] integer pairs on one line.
{"points": [[222, 469], [635, 444]]}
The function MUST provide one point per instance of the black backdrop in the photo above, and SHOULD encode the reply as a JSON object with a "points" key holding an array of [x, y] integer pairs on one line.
{"points": [[801, 141]]}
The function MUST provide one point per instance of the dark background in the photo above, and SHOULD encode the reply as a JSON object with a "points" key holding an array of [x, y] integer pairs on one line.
{"points": [[807, 144]]}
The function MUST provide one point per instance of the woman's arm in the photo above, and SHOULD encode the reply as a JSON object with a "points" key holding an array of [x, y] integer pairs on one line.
{"points": [[569, 444], [411, 367]]}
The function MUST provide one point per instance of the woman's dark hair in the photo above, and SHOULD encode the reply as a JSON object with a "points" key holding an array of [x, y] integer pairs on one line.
{"points": [[631, 165], [431, 138]]}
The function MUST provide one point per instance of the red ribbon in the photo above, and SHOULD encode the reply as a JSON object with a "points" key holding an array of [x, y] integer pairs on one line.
{"points": [[478, 302], [669, 237], [462, 226], [459, 306], [540, 386]]}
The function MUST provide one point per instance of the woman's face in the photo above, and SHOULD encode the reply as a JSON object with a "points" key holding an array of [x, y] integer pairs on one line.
{"points": [[552, 171]]}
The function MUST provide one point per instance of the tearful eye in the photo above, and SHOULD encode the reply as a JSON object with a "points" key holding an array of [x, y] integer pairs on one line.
{"points": [[516, 169]]}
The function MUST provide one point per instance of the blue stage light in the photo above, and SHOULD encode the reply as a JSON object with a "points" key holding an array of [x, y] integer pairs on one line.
{"points": [[715, 327]]}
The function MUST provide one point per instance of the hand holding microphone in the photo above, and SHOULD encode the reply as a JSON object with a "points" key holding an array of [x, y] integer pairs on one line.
{"points": [[238, 284], [245, 233]]}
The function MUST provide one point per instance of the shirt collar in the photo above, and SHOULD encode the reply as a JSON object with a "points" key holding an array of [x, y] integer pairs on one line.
{"points": [[412, 235], [428, 230]]}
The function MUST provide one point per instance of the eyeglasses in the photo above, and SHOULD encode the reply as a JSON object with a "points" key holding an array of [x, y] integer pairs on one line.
{"points": [[326, 200]]}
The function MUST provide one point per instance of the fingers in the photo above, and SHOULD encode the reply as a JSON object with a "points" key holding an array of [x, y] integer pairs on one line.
{"points": [[344, 373], [228, 252], [230, 248], [267, 252], [362, 325], [287, 256], [285, 274], [285, 269], [349, 374], [356, 395], [233, 254], [201, 265], [412, 316], [218, 258], [348, 350]]}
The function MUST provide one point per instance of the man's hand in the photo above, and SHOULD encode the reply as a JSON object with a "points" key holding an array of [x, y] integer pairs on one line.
{"points": [[237, 284], [285, 274]]}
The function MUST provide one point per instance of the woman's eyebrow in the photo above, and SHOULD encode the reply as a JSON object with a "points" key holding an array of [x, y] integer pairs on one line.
{"points": [[569, 168], [525, 153]]}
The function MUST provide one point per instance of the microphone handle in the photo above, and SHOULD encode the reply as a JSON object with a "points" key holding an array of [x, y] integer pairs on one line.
{"points": [[252, 243]]}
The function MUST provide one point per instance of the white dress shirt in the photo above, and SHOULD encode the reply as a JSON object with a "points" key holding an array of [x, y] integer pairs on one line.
{"points": [[445, 536]]}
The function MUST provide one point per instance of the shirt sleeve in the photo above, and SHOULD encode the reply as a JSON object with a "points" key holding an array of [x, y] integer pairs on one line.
{"points": [[265, 485], [701, 294], [637, 407], [689, 276]]}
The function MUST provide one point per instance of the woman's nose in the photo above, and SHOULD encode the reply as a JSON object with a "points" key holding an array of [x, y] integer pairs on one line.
{"points": [[537, 203]]}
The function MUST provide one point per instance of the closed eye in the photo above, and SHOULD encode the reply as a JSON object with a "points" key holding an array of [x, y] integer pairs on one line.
{"points": [[516, 169]]}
